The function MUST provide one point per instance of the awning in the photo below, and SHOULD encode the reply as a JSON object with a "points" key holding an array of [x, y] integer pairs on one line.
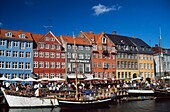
{"points": [[73, 76]]}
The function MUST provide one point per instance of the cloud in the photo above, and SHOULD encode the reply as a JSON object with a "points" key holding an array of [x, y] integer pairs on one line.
{"points": [[100, 9], [1, 24], [28, 3]]}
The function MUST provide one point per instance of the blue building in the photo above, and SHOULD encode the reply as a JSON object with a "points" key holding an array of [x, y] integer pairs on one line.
{"points": [[16, 48]]}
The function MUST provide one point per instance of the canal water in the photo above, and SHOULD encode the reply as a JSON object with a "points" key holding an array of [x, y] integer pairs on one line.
{"points": [[134, 106]]}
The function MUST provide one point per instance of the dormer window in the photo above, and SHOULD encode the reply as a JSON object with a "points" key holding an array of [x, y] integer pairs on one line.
{"points": [[92, 39], [46, 38], [22, 35], [8, 34], [104, 40]]}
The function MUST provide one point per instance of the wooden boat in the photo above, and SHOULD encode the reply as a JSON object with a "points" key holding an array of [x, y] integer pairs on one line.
{"points": [[162, 93], [16, 100]]}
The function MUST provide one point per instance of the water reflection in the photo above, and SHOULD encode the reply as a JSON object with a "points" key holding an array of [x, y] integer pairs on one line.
{"points": [[34, 110]]}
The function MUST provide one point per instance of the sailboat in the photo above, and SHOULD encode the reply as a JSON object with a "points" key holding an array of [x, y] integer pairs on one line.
{"points": [[77, 99], [164, 91]]}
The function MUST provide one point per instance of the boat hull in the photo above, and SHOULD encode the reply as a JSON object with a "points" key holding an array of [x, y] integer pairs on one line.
{"points": [[83, 104], [25, 101], [140, 92]]}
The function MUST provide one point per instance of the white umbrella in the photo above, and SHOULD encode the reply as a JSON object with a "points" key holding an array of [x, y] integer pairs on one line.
{"points": [[3, 78], [167, 77], [137, 78], [17, 79], [91, 79], [30, 79], [43, 79], [57, 79]]}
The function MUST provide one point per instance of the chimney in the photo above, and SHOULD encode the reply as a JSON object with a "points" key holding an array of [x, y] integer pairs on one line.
{"points": [[134, 36], [91, 32], [114, 32]]}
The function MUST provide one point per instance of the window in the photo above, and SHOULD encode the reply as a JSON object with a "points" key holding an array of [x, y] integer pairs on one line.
{"points": [[68, 46], [69, 55], [28, 45], [80, 47], [41, 54], [27, 76], [95, 65], [41, 46], [14, 75], [8, 64], [21, 76], [21, 65], [22, 45], [63, 65], [73, 67], [14, 65], [104, 40], [94, 47], [47, 39], [87, 68], [52, 75], [62, 55], [105, 65], [46, 54], [52, 64], [87, 48], [2, 42], [58, 75], [74, 55], [41, 75], [27, 65], [21, 54], [52, 39], [57, 55], [113, 65], [1, 64], [69, 67], [9, 44], [8, 34], [28, 54], [47, 46], [22, 35], [81, 67], [51, 55], [35, 54], [87, 56], [35, 64], [8, 53], [113, 49], [57, 64], [15, 54], [46, 75], [52, 46], [57, 47], [46, 64], [81, 56], [41, 64], [100, 65]]}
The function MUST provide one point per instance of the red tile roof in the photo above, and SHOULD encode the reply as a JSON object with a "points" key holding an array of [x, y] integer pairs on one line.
{"points": [[93, 36], [37, 37], [78, 40], [15, 34]]}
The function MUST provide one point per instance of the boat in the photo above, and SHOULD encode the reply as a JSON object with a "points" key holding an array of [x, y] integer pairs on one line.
{"points": [[140, 92], [17, 100], [80, 99]]}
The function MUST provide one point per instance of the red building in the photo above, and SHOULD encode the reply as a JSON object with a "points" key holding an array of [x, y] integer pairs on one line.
{"points": [[49, 60], [104, 55]]}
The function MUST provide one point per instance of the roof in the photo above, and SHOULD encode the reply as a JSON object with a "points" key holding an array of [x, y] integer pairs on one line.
{"points": [[92, 36], [141, 44], [118, 39], [15, 34], [37, 37], [78, 40]]}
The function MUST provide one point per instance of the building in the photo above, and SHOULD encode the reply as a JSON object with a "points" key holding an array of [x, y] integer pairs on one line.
{"points": [[16, 54], [162, 61], [126, 61], [78, 57], [145, 59], [103, 55], [49, 58]]}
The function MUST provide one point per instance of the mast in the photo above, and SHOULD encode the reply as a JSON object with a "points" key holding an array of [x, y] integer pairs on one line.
{"points": [[76, 79]]}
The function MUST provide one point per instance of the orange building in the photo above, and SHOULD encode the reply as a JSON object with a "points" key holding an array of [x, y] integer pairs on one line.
{"points": [[104, 55]]}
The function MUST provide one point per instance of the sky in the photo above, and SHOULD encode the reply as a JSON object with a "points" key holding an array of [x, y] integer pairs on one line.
{"points": [[144, 19]]}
